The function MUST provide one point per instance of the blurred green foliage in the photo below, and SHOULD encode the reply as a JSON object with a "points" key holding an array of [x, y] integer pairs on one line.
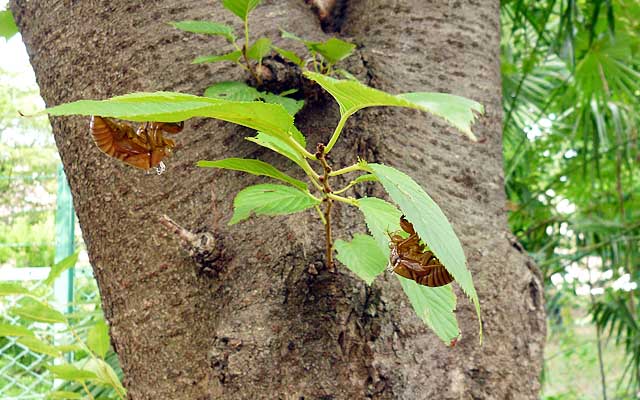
{"points": [[571, 95], [28, 162]]}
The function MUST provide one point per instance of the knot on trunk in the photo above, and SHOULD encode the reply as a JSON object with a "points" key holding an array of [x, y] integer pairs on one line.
{"points": [[206, 249]]}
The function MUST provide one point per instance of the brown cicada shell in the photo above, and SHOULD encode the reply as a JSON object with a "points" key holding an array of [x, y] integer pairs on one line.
{"points": [[143, 148], [411, 259]]}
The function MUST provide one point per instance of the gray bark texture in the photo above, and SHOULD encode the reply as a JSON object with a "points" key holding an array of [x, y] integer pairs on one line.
{"points": [[265, 327]]}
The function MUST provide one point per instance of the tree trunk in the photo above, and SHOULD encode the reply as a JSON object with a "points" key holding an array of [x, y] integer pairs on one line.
{"points": [[265, 327]]}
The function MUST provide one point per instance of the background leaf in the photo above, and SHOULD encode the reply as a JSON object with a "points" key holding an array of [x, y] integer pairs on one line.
{"points": [[362, 256], [8, 26], [14, 330], [60, 267], [430, 223], [255, 167], [98, 339], [60, 394], [353, 96], [234, 56], [268, 199], [435, 306], [12, 288], [207, 28], [333, 50], [241, 8], [70, 372], [232, 90], [289, 56], [37, 345], [104, 373], [36, 311], [240, 91], [291, 105], [260, 49]]}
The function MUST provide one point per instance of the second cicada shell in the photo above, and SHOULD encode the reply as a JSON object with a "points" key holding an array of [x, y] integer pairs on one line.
{"points": [[411, 259], [144, 147]]}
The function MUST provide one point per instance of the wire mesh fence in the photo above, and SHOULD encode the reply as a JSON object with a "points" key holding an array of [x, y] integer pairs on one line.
{"points": [[23, 372], [32, 236]]}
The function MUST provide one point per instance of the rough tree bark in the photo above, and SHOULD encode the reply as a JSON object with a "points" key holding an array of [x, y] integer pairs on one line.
{"points": [[266, 327]]}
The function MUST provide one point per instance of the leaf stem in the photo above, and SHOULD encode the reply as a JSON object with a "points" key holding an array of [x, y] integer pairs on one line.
{"points": [[345, 170], [336, 132], [324, 221], [347, 200], [290, 140], [246, 32], [245, 49], [344, 189], [86, 389]]}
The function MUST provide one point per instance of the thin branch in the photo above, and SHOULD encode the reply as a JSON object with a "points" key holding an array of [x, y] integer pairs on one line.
{"points": [[322, 157]]}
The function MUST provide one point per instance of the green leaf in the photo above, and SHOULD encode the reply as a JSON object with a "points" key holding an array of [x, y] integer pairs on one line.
{"points": [[382, 218], [362, 256], [14, 330], [291, 105], [8, 289], [431, 225], [60, 267], [36, 311], [289, 35], [98, 339], [234, 56], [353, 96], [8, 26], [207, 28], [278, 145], [70, 372], [255, 167], [289, 56], [333, 50], [59, 394], [260, 49], [456, 110], [37, 345], [268, 199], [272, 119], [435, 306], [232, 90], [241, 8]]}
